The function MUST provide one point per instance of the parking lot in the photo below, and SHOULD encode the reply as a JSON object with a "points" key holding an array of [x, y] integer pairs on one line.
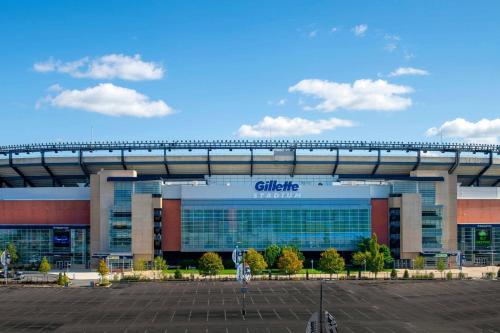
{"points": [[272, 306]]}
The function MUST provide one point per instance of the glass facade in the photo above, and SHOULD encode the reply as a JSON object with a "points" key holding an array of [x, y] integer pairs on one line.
{"points": [[314, 225], [432, 217], [480, 243], [120, 216], [60, 245]]}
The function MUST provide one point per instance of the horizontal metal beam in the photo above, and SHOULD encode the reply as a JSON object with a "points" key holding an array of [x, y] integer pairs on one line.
{"points": [[245, 145]]}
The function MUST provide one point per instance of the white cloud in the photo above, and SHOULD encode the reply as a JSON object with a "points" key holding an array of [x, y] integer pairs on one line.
{"points": [[409, 71], [363, 94], [360, 30], [408, 55], [111, 66], [313, 33], [55, 88], [281, 102], [110, 100], [392, 37], [334, 29], [483, 131], [390, 47], [285, 127]]}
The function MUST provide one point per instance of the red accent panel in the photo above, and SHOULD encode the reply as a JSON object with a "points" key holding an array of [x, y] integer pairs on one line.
{"points": [[171, 225], [380, 220], [45, 212], [478, 211]]}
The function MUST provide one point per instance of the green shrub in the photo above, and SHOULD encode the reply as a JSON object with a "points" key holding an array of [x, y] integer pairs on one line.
{"points": [[60, 279], [449, 275], [406, 275], [498, 274], [394, 274], [177, 274], [461, 275], [431, 276], [489, 275]]}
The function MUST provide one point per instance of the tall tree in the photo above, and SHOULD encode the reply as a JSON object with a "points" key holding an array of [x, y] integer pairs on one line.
{"points": [[210, 264], [11, 248], [375, 259], [44, 267], [331, 262], [289, 263], [255, 261], [271, 254], [388, 259]]}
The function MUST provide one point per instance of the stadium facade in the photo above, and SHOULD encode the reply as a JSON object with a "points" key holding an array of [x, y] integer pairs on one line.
{"points": [[76, 203]]}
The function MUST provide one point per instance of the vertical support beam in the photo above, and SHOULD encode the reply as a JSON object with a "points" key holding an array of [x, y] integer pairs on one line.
{"points": [[16, 169], [83, 166], [292, 173], [417, 164], [374, 171], [55, 180], [482, 172], [336, 165], [455, 164], [251, 162], [124, 166], [165, 163], [208, 163]]}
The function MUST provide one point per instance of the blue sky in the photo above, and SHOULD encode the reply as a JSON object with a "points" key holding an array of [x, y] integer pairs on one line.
{"points": [[164, 70]]}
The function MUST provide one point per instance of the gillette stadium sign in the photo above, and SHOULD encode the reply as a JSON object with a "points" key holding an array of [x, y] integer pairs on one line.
{"points": [[273, 189]]}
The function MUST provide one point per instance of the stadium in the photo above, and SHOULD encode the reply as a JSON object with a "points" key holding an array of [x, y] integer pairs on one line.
{"points": [[77, 202]]}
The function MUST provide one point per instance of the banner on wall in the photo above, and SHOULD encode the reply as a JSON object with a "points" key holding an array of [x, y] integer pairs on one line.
{"points": [[483, 237]]}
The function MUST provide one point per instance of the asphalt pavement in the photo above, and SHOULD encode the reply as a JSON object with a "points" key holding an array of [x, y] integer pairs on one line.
{"points": [[272, 306]]}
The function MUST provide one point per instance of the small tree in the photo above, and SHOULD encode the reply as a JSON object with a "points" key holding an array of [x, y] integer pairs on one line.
{"points": [[359, 259], [394, 274], [271, 254], [419, 263], [12, 249], [406, 275], [139, 265], [295, 249], [60, 279], [441, 266], [331, 262], [255, 261], [103, 270], [159, 264], [44, 267], [289, 263], [449, 275], [498, 274], [210, 264]]}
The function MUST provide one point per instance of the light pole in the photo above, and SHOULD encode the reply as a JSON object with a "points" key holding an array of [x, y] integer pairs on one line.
{"points": [[312, 264]]}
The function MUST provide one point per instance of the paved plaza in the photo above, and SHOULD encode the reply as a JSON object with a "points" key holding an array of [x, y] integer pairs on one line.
{"points": [[285, 306]]}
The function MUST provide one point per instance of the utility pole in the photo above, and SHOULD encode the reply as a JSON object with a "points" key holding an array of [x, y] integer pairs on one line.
{"points": [[321, 314]]}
